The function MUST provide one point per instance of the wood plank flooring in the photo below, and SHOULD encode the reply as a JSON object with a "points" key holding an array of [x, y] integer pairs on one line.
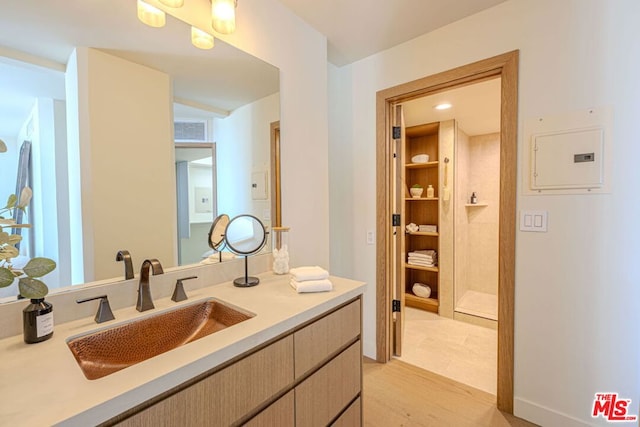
{"points": [[397, 394]]}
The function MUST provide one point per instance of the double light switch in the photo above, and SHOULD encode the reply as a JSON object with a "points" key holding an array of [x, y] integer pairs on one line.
{"points": [[533, 221]]}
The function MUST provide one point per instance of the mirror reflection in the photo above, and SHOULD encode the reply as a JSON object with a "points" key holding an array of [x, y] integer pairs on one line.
{"points": [[104, 122], [217, 240], [245, 235]]}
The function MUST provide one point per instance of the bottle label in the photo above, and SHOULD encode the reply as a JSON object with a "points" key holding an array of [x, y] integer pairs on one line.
{"points": [[44, 324]]}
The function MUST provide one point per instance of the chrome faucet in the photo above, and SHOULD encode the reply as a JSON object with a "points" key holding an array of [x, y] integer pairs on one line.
{"points": [[125, 256], [144, 293]]}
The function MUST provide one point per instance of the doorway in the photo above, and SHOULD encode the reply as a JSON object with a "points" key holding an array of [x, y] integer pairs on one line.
{"points": [[389, 324]]}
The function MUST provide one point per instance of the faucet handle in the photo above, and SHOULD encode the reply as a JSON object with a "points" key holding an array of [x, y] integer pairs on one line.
{"points": [[104, 313], [178, 292]]}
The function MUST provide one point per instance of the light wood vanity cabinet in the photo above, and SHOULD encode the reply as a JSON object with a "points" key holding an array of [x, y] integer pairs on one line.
{"points": [[312, 376], [280, 413]]}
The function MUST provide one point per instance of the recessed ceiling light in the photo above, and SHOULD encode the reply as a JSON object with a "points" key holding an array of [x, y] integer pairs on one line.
{"points": [[443, 106]]}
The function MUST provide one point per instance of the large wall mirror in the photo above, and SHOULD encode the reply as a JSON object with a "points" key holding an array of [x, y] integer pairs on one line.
{"points": [[124, 120]]}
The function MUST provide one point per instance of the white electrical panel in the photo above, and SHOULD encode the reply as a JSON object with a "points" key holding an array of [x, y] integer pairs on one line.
{"points": [[259, 186], [569, 159], [568, 153]]}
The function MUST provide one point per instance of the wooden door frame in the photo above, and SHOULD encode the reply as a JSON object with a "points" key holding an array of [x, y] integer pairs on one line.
{"points": [[506, 67], [276, 189]]}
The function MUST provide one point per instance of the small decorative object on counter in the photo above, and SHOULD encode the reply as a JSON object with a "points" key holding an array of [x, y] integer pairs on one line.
{"points": [[37, 319], [280, 249], [474, 198], [430, 191], [416, 191]]}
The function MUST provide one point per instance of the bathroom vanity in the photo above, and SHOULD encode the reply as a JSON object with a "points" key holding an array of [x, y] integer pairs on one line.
{"points": [[296, 361]]}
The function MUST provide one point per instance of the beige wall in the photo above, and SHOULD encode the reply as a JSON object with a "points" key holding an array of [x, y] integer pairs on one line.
{"points": [[461, 197], [446, 149], [476, 250], [125, 144]]}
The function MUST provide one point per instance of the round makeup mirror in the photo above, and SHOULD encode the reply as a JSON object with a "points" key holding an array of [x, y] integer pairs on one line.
{"points": [[245, 235], [216, 233]]}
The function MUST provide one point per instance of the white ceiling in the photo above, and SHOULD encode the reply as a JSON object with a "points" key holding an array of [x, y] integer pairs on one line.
{"points": [[50, 30], [475, 107], [356, 29], [223, 78]]}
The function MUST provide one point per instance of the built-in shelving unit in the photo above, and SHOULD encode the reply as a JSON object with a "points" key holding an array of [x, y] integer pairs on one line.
{"points": [[423, 233], [422, 139]]}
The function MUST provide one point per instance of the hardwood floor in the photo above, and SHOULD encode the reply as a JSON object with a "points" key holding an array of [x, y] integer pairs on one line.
{"points": [[398, 394]]}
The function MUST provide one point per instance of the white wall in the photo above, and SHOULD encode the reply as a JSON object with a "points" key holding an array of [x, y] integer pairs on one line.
{"points": [[50, 187], [243, 146], [577, 295], [9, 167], [271, 32]]}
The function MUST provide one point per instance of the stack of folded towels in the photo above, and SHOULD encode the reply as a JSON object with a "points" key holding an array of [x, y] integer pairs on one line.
{"points": [[427, 228], [423, 258], [310, 279]]}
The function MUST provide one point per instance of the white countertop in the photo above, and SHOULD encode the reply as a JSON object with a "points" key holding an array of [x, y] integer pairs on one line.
{"points": [[41, 384]]}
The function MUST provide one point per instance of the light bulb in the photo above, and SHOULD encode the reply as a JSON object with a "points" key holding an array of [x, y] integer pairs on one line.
{"points": [[223, 16], [443, 106], [152, 16], [172, 3], [200, 39]]}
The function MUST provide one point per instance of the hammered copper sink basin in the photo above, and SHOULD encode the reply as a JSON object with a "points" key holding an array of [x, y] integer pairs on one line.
{"points": [[107, 351]]}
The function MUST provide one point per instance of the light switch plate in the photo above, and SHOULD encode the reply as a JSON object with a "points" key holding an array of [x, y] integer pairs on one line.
{"points": [[370, 237], [533, 221]]}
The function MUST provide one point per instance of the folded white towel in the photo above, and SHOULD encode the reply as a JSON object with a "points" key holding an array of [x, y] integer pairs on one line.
{"points": [[432, 261], [323, 285], [419, 256], [428, 252], [425, 263], [302, 274], [421, 263]]}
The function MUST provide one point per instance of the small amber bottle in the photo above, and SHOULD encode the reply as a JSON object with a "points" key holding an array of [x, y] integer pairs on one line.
{"points": [[37, 321]]}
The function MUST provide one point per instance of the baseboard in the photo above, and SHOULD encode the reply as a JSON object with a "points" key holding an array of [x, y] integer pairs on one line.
{"points": [[544, 416]]}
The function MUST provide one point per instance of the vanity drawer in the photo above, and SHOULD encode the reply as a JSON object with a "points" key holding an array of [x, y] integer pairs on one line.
{"points": [[316, 342], [352, 417], [322, 396], [225, 396], [280, 413]]}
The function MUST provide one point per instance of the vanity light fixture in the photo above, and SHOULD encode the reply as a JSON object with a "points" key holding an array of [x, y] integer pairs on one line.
{"points": [[223, 15], [443, 106], [172, 3], [150, 15], [200, 39]]}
